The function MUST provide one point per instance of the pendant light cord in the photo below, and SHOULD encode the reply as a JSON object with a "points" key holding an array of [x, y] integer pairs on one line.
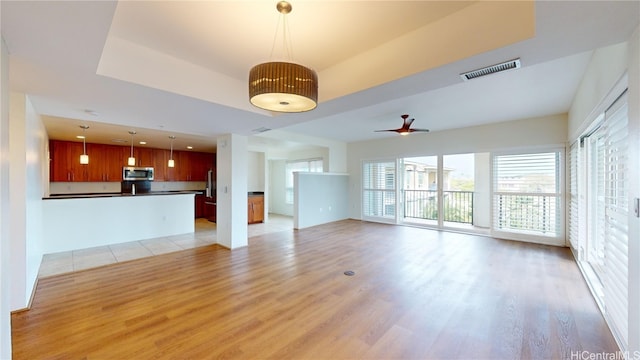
{"points": [[287, 44]]}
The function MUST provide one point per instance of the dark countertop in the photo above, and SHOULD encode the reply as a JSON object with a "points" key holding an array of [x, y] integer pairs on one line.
{"points": [[255, 193], [101, 195]]}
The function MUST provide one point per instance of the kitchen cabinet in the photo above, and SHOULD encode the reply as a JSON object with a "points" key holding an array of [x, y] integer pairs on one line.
{"points": [[190, 166], [200, 164], [199, 206], [144, 156], [205, 207], [160, 158], [210, 209], [255, 209], [106, 163], [65, 162]]}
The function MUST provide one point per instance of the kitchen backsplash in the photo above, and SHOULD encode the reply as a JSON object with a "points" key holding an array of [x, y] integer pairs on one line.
{"points": [[56, 188]]}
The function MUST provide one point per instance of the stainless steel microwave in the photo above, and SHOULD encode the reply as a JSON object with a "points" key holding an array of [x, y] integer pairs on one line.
{"points": [[137, 173]]}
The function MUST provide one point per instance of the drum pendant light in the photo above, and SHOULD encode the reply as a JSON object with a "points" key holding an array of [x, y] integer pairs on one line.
{"points": [[283, 86], [132, 160], [84, 158]]}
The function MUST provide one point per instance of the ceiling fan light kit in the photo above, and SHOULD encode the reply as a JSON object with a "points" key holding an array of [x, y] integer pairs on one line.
{"points": [[283, 86], [406, 127]]}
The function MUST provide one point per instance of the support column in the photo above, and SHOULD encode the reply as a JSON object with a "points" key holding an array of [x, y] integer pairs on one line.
{"points": [[231, 191]]}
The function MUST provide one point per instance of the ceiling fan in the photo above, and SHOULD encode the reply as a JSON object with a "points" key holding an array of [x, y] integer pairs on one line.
{"points": [[406, 127]]}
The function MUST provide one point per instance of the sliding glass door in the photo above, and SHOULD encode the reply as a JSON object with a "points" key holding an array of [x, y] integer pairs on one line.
{"points": [[420, 190]]}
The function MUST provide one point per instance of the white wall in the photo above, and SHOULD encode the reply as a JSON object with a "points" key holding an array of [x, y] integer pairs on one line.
{"points": [[482, 190], [277, 167], [277, 193], [255, 171], [28, 184], [71, 224], [37, 180], [231, 191], [320, 198], [527, 133], [606, 67], [599, 87], [335, 155], [6, 271]]}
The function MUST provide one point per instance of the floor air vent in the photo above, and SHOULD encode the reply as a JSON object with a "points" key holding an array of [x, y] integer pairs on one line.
{"points": [[507, 65]]}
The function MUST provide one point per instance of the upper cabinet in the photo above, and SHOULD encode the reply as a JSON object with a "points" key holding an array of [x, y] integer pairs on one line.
{"points": [[160, 158], [190, 166], [106, 163], [65, 161]]}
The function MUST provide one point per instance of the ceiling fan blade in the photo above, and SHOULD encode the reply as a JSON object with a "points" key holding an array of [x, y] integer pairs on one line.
{"points": [[394, 130], [420, 130]]}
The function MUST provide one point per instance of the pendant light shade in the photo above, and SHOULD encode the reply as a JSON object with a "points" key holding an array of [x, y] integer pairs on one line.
{"points": [[171, 163], [132, 160], [283, 86], [84, 158]]}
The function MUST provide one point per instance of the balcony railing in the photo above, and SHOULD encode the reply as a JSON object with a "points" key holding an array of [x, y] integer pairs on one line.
{"points": [[527, 213], [423, 204]]}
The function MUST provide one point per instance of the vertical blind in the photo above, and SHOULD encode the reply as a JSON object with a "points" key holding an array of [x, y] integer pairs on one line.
{"points": [[526, 193], [379, 189]]}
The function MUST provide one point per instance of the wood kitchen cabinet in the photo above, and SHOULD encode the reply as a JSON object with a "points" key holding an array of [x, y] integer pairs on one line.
{"points": [[144, 156], [255, 209], [200, 206], [201, 164], [106, 163], [65, 162], [160, 158], [190, 166]]}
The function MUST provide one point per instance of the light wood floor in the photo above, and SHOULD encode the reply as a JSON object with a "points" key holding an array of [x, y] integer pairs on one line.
{"points": [[416, 294]]}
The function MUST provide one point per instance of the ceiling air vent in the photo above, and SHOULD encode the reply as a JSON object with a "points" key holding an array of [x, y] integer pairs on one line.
{"points": [[260, 130], [507, 65]]}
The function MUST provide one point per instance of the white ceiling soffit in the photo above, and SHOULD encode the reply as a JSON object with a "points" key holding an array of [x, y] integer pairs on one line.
{"points": [[162, 53]]}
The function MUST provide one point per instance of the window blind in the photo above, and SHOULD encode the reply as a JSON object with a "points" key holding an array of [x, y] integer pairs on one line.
{"points": [[616, 218], [574, 216], [527, 194], [379, 189]]}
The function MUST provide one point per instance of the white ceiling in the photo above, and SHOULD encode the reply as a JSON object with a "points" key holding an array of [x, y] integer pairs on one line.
{"points": [[180, 68]]}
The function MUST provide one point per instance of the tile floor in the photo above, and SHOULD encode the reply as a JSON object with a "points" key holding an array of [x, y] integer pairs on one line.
{"points": [[205, 234]]}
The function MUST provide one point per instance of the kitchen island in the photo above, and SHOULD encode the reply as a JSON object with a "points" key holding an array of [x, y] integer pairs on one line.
{"points": [[79, 221]]}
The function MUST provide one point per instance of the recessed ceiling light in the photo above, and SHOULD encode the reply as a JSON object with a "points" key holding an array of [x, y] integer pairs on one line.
{"points": [[79, 136], [143, 143], [119, 140], [190, 147]]}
